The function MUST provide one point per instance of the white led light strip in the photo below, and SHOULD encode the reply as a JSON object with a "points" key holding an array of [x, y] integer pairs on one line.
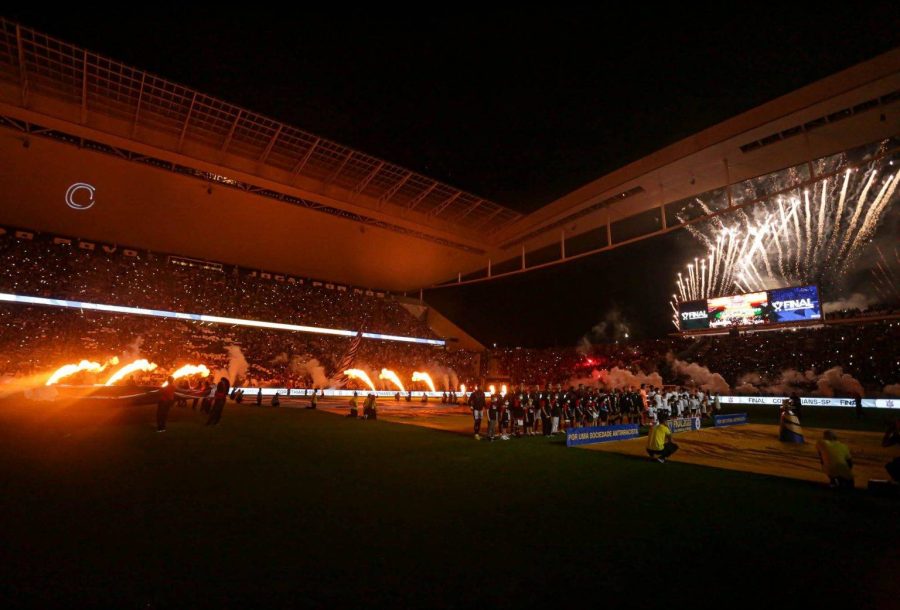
{"points": [[199, 317]]}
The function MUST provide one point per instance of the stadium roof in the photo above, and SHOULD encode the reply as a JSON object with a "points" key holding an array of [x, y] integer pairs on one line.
{"points": [[156, 111], [287, 200]]}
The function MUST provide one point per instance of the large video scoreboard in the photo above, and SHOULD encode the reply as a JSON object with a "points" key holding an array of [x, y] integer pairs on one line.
{"points": [[777, 306]]}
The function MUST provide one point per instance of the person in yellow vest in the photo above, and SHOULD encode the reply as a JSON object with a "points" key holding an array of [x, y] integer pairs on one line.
{"points": [[354, 406], [659, 441], [836, 460]]}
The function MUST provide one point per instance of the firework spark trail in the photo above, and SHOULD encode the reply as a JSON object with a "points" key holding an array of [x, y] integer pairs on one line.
{"points": [[798, 241], [691, 281], [703, 276], [716, 263], [757, 245], [732, 265], [814, 236], [871, 219], [820, 230], [808, 227], [860, 204], [776, 239], [886, 277], [837, 216]]}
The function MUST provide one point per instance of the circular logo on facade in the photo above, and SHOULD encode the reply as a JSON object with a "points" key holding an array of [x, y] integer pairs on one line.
{"points": [[80, 196]]}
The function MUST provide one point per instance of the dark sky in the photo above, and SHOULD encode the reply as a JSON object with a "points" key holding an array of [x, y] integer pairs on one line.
{"points": [[518, 108]]}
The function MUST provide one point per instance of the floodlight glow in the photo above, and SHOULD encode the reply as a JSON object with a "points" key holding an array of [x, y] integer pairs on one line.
{"points": [[200, 317]]}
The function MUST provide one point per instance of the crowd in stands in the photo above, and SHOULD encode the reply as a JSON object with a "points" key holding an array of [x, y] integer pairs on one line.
{"points": [[36, 339], [40, 267], [868, 352]]}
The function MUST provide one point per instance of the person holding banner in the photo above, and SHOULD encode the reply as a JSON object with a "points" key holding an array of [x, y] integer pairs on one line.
{"points": [[659, 441]]}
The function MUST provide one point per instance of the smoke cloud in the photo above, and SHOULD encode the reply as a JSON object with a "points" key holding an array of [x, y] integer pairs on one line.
{"points": [[612, 328], [892, 390], [700, 376], [46, 393], [617, 379], [833, 382], [312, 368], [443, 376], [857, 300], [133, 350], [237, 364]]}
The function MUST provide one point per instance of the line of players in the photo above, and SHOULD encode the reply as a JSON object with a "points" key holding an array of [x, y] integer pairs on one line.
{"points": [[521, 413]]}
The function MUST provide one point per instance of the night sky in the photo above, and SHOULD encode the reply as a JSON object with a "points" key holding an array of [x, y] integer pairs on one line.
{"points": [[518, 108]]}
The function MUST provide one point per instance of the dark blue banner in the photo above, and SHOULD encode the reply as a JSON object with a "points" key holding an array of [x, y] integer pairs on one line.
{"points": [[797, 304], [600, 434], [683, 424], [732, 419]]}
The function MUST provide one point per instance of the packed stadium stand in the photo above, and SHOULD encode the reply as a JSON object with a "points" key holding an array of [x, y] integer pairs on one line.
{"points": [[39, 338]]}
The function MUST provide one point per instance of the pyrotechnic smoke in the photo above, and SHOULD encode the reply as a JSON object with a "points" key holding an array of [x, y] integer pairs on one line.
{"points": [[47, 393], [424, 377], [448, 376], [748, 383], [833, 382], [857, 300], [133, 350], [616, 378], [314, 369], [237, 364], [389, 375], [701, 376], [613, 327], [794, 238], [892, 390]]}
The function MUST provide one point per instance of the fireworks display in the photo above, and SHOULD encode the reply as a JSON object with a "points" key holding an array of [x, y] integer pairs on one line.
{"points": [[885, 274], [808, 236]]}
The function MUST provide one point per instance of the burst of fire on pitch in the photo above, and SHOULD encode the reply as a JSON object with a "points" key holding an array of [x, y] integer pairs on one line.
{"points": [[425, 378], [391, 376], [361, 375], [138, 365], [85, 365], [188, 370]]}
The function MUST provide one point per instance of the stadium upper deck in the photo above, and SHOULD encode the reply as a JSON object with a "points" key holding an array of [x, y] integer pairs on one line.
{"points": [[169, 167]]}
